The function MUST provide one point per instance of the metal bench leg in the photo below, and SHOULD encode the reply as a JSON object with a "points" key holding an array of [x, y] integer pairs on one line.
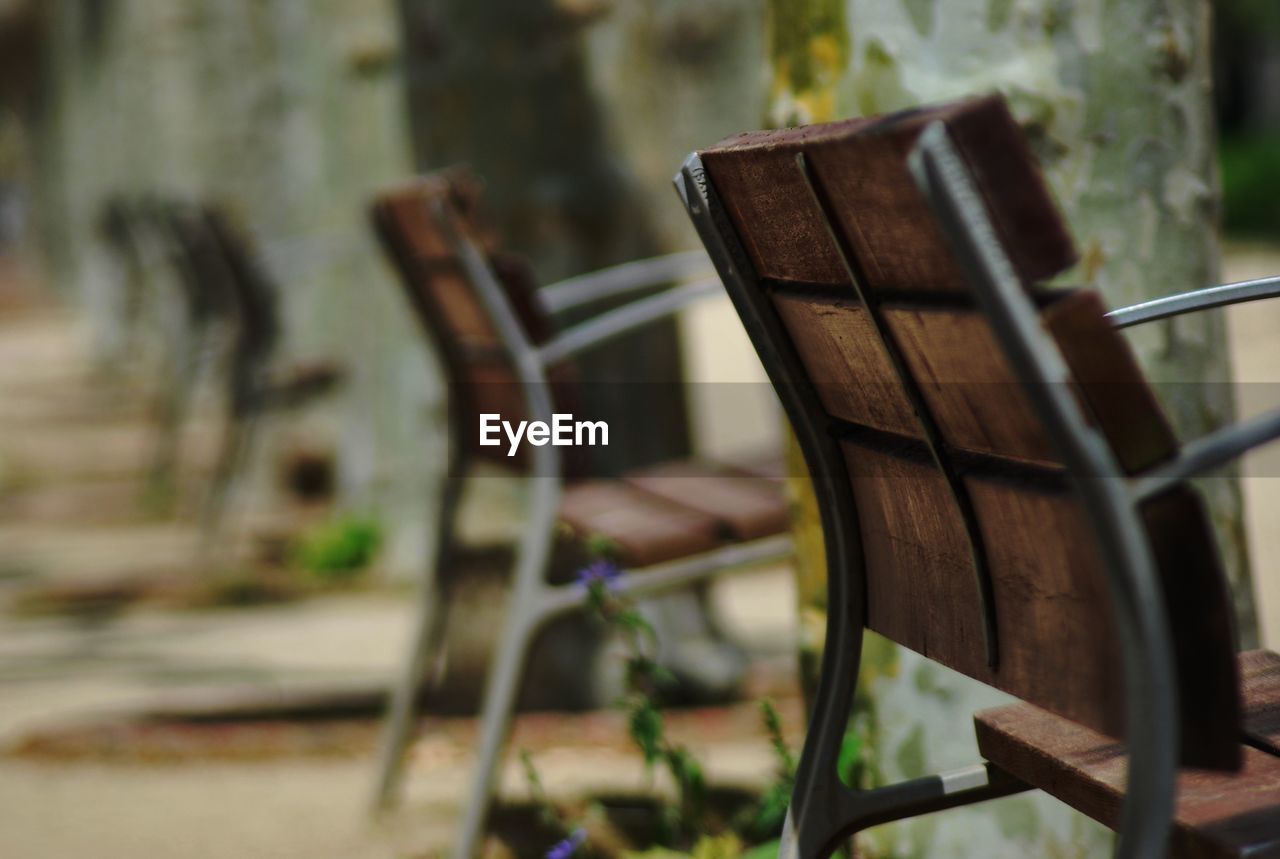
{"points": [[495, 721], [426, 644], [236, 447], [527, 610]]}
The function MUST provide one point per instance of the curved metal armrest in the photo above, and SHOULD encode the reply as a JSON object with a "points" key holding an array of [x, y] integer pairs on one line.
{"points": [[1207, 453], [622, 279], [1191, 302], [613, 323]]}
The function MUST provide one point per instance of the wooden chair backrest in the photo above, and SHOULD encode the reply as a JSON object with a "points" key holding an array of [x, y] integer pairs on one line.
{"points": [[482, 376], [866, 223], [200, 270], [252, 290]]}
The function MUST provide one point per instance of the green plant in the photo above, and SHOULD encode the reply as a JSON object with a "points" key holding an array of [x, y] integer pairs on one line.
{"points": [[338, 551], [1250, 173], [766, 817], [686, 827]]}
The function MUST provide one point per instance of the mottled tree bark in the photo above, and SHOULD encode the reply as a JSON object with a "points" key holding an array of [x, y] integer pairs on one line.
{"points": [[1116, 100]]}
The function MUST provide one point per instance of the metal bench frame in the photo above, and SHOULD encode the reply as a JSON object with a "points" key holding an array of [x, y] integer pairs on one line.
{"points": [[824, 812], [195, 320], [532, 601]]}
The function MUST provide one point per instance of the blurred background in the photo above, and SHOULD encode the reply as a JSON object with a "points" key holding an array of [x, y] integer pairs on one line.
{"points": [[198, 622]]}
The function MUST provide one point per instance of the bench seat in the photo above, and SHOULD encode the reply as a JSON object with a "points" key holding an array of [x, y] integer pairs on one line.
{"points": [[1218, 815], [675, 510]]}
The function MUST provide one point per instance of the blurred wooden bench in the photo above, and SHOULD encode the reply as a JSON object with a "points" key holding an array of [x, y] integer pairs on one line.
{"points": [[225, 295], [162, 281], [667, 526], [999, 488], [258, 383]]}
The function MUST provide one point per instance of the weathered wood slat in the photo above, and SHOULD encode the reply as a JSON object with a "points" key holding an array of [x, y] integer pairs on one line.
{"points": [[645, 529], [1120, 401], [781, 229], [885, 221], [1260, 680], [967, 384], [1202, 620], [848, 368], [747, 507]]}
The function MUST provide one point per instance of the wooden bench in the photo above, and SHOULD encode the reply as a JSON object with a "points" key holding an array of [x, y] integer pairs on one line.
{"points": [[220, 268], [669, 526], [999, 488], [140, 231]]}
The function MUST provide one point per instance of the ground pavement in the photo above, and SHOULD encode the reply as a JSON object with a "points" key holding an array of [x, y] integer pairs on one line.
{"points": [[80, 775]]}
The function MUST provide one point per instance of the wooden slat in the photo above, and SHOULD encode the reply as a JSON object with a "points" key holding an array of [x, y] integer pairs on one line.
{"points": [[845, 362], [1058, 644], [920, 581], [645, 529], [410, 206], [747, 507], [1121, 402], [1260, 680], [447, 294], [756, 177], [1219, 815], [1202, 621], [967, 384]]}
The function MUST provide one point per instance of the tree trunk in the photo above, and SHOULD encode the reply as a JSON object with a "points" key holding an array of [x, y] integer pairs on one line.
{"points": [[1116, 100], [508, 88]]}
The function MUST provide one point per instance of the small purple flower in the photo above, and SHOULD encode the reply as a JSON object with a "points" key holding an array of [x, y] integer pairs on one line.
{"points": [[566, 848], [602, 571]]}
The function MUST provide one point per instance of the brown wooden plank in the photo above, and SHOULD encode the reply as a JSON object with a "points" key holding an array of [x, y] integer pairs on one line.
{"points": [[1202, 621], [1058, 643], [448, 295], [756, 177], [645, 529], [410, 207], [966, 382], [920, 581], [845, 362], [1218, 814], [1260, 681], [747, 507], [1114, 388]]}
